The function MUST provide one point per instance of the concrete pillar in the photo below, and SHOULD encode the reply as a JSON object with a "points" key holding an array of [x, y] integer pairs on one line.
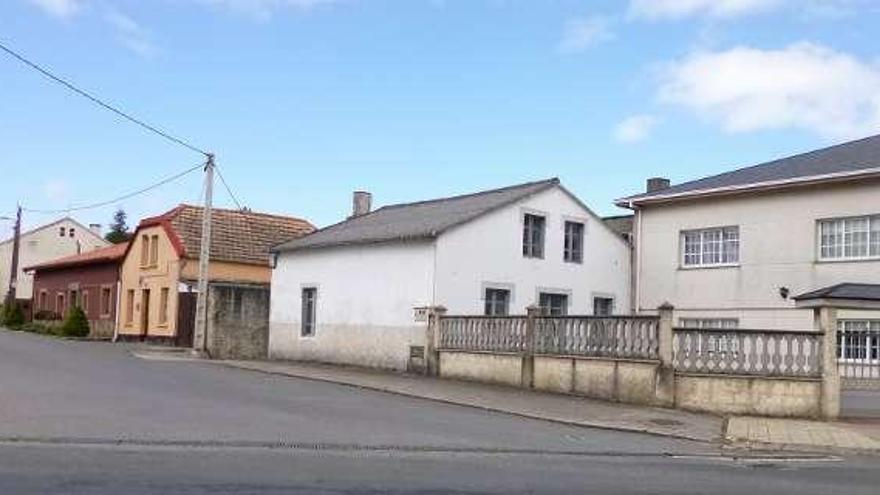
{"points": [[825, 321], [527, 379], [665, 389], [432, 340]]}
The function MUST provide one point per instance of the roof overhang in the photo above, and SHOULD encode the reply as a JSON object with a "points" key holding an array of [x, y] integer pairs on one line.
{"points": [[634, 202], [840, 303]]}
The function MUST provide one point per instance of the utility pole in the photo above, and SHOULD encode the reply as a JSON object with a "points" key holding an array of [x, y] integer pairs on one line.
{"points": [[200, 335], [13, 275]]}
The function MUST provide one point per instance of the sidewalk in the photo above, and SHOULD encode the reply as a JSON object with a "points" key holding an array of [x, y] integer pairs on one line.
{"points": [[552, 407], [746, 431]]}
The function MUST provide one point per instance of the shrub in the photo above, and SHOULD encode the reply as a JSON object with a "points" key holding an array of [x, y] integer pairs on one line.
{"points": [[46, 315], [12, 316], [75, 323]]}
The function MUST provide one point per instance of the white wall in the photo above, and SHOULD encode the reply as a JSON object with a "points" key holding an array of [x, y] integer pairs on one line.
{"points": [[778, 239], [42, 245], [489, 250], [366, 296]]}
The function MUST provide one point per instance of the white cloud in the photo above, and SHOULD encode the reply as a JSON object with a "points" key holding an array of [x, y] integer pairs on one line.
{"points": [[635, 128], [802, 86], [131, 34], [59, 8], [264, 9], [583, 32], [677, 9]]}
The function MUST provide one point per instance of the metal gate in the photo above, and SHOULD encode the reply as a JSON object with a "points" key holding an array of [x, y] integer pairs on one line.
{"points": [[858, 353]]}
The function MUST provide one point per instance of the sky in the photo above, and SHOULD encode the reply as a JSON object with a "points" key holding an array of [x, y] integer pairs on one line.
{"points": [[304, 101]]}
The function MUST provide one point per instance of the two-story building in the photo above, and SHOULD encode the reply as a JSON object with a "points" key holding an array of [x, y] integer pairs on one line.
{"points": [[347, 293], [734, 249], [160, 269]]}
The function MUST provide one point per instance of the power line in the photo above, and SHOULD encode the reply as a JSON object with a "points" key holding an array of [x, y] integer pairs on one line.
{"points": [[120, 198], [99, 102], [228, 189]]}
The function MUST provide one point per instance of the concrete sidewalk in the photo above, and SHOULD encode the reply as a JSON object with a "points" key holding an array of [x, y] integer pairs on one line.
{"points": [[780, 433], [552, 407]]}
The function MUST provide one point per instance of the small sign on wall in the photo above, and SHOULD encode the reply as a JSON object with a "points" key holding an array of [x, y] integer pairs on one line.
{"points": [[420, 315]]}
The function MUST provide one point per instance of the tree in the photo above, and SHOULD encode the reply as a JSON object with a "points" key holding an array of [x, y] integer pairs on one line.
{"points": [[118, 228]]}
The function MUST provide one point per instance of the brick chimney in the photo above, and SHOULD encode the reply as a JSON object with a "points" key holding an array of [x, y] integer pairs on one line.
{"points": [[361, 203], [655, 184]]}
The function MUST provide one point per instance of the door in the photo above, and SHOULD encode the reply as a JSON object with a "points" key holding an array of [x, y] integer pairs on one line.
{"points": [[186, 315], [145, 312]]}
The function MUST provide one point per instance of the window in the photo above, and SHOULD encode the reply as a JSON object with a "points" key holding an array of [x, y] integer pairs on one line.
{"points": [[309, 302], [106, 301], [61, 231], [708, 247], [70, 232], [849, 238], [85, 301], [154, 251], [163, 306], [59, 304], [74, 299], [603, 306], [44, 301], [553, 304], [497, 302], [145, 250], [533, 236], [574, 242], [858, 340], [129, 307]]}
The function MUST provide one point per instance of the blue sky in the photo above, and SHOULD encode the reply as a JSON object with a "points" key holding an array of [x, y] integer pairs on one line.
{"points": [[304, 101]]}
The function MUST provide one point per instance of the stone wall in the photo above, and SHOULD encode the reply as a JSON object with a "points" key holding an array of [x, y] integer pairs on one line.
{"points": [[752, 395], [238, 321]]}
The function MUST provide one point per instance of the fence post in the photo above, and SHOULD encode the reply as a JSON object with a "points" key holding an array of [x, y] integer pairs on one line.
{"points": [[432, 340], [527, 379], [665, 390], [825, 321]]}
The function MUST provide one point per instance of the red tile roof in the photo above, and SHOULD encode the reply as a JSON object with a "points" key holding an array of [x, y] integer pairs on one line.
{"points": [[112, 254]]}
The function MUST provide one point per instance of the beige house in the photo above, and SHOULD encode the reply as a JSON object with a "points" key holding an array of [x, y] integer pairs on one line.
{"points": [[63, 237], [733, 250], [160, 268]]}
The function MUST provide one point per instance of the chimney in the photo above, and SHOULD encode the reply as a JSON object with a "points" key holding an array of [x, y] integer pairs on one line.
{"points": [[657, 184], [361, 202], [95, 228]]}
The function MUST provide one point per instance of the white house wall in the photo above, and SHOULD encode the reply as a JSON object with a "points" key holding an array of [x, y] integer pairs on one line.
{"points": [[366, 296], [488, 251], [42, 245], [778, 248]]}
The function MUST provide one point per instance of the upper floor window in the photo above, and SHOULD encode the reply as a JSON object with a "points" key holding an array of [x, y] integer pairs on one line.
{"points": [[533, 235], [710, 247], [574, 242], [145, 250], [497, 302], [154, 250], [849, 238], [71, 232], [553, 304], [61, 231]]}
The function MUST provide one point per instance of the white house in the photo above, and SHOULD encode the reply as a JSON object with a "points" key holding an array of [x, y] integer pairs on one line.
{"points": [[347, 293], [733, 250], [62, 237]]}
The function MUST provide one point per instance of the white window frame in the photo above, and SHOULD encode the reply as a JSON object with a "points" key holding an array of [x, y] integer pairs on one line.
{"points": [[494, 303], [840, 224], [722, 243], [308, 331], [872, 339]]}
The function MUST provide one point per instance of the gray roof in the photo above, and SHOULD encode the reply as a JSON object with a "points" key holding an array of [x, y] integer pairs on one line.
{"points": [[852, 157], [421, 220], [863, 292]]}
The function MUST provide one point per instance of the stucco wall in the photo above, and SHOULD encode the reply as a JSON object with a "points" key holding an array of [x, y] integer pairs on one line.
{"points": [[225, 271], [488, 251], [153, 277], [39, 246], [365, 300], [761, 396], [778, 248], [504, 369]]}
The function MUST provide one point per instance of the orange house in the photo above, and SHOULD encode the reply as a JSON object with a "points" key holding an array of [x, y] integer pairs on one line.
{"points": [[161, 266]]}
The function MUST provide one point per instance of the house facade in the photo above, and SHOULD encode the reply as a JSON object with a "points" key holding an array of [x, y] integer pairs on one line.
{"points": [[64, 237], [159, 272], [89, 280], [733, 250], [348, 293]]}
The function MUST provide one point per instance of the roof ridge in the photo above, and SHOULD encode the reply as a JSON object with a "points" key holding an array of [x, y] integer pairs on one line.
{"points": [[552, 180], [249, 212]]}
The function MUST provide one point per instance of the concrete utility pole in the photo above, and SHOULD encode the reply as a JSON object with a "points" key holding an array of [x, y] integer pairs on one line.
{"points": [[13, 275], [200, 334]]}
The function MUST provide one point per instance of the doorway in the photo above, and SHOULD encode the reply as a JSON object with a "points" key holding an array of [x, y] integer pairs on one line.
{"points": [[145, 312]]}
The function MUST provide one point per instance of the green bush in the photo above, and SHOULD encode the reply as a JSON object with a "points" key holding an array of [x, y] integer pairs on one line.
{"points": [[75, 323], [12, 316]]}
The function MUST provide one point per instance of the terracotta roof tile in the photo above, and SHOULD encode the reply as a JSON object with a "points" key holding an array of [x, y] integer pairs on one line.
{"points": [[97, 256]]}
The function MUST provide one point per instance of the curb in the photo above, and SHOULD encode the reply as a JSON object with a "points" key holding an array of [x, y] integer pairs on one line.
{"points": [[601, 426]]}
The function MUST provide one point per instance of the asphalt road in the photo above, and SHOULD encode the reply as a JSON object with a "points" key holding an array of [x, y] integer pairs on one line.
{"points": [[80, 417]]}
